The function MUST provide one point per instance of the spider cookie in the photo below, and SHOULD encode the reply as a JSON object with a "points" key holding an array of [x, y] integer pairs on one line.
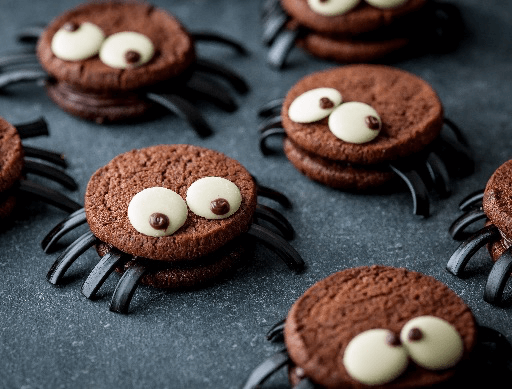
{"points": [[494, 205], [380, 326], [352, 31], [18, 161], [359, 127], [170, 216], [112, 61]]}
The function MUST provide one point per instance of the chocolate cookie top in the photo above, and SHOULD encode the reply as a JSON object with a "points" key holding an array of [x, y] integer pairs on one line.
{"points": [[408, 116], [362, 18], [497, 201], [11, 155], [104, 46], [326, 319], [111, 192]]}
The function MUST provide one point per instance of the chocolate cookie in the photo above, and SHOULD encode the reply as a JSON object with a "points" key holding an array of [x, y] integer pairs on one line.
{"points": [[377, 326], [112, 61], [358, 127], [494, 205], [169, 216]]}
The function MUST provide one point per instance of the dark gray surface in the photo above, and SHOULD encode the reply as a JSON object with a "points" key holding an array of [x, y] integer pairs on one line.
{"points": [[212, 338]]}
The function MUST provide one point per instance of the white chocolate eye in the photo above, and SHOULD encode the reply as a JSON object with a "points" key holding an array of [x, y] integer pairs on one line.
{"points": [[157, 211], [355, 122], [432, 343], [126, 49], [385, 3], [73, 42], [314, 105], [332, 7], [375, 357], [213, 198]]}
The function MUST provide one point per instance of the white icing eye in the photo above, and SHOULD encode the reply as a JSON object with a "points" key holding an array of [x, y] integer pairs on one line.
{"points": [[332, 7], [355, 122], [375, 357], [126, 49], [386, 3], [157, 211], [213, 198], [74, 42], [314, 105], [432, 343]]}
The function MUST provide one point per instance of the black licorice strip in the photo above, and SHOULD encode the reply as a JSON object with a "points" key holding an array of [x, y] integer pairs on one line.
{"points": [[74, 220], [276, 219], [101, 271], [281, 47], [266, 369], [458, 227], [48, 171], [271, 108], [275, 195], [38, 127], [45, 155], [236, 81], [125, 288], [498, 277], [275, 333], [417, 188], [474, 199], [211, 91], [215, 38], [22, 75], [48, 195], [439, 174]]}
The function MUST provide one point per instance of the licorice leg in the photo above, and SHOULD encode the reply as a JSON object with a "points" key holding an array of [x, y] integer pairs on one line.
{"points": [[66, 259], [283, 249], [101, 271], [125, 288], [276, 219], [210, 37], [48, 195], [265, 150], [266, 369], [211, 91], [30, 34], [237, 82], [500, 351], [272, 25], [38, 127], [439, 174], [461, 138], [269, 6], [48, 171], [281, 47], [273, 194], [270, 123], [184, 110], [470, 246], [45, 155], [22, 75], [474, 199], [271, 108], [18, 58], [275, 333], [417, 188], [498, 277], [74, 220], [457, 229]]}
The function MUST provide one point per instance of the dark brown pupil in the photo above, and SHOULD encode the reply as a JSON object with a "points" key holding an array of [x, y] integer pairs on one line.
{"points": [[159, 221], [326, 103], [70, 26], [372, 122], [393, 340], [219, 206], [415, 334], [132, 56]]}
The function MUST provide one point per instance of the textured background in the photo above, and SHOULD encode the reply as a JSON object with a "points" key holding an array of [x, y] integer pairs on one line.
{"points": [[211, 338]]}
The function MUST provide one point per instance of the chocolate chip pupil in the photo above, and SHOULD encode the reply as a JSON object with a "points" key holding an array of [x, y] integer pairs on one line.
{"points": [[415, 334], [326, 103], [393, 340], [132, 56], [372, 122], [219, 206], [159, 221], [70, 26]]}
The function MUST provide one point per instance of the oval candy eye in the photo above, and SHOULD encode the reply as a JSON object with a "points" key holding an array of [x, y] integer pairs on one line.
{"points": [[375, 357], [213, 198], [74, 42], [314, 105], [126, 49], [157, 211], [432, 342], [355, 122], [386, 3], [332, 7]]}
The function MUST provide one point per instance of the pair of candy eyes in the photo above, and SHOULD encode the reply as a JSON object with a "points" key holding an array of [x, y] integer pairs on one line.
{"points": [[339, 7], [378, 356], [75, 42], [352, 122], [159, 211]]}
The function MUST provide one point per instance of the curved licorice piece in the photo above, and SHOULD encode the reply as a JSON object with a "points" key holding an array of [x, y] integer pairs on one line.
{"points": [[211, 91], [305, 383], [216, 38], [458, 227], [492, 348], [474, 199], [470, 246], [236, 81], [498, 277], [445, 26], [125, 288], [272, 108], [22, 75], [74, 220], [48, 195], [45, 155], [275, 333], [184, 110], [48, 171], [281, 47], [459, 135], [273, 23], [30, 34], [276, 219], [268, 367], [66, 259], [439, 174], [18, 58], [270, 123], [38, 127], [101, 271], [417, 188], [283, 249], [264, 135], [273, 194]]}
